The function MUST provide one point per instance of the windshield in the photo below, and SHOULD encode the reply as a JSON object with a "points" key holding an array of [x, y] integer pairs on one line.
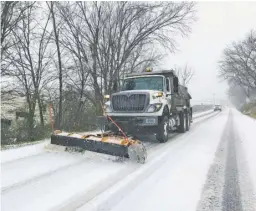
{"points": [[144, 83]]}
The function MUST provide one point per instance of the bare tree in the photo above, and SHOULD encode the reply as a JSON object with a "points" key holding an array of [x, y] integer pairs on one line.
{"points": [[60, 75], [86, 50], [185, 73], [239, 63], [110, 35], [29, 60], [11, 14]]}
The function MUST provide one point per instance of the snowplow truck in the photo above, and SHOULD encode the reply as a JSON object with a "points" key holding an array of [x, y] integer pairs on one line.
{"points": [[150, 103]]}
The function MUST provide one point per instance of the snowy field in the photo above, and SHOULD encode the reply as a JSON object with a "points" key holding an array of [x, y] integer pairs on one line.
{"points": [[179, 175]]}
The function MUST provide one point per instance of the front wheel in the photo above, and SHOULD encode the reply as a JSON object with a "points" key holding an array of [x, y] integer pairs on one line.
{"points": [[162, 133]]}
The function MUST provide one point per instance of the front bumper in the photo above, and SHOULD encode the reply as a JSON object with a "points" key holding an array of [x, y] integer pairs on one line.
{"points": [[135, 125], [138, 121]]}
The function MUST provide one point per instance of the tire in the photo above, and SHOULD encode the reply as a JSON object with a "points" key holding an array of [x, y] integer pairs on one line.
{"points": [[162, 131], [187, 121], [182, 126]]}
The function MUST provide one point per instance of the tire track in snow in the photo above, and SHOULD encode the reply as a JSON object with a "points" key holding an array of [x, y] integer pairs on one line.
{"points": [[24, 158], [247, 194], [216, 183], [222, 190], [41, 176], [202, 115], [86, 159], [231, 194]]}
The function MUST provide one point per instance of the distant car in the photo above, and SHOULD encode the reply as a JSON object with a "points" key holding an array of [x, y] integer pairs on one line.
{"points": [[217, 108]]}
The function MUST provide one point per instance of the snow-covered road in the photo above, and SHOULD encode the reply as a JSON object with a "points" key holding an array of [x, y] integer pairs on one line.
{"points": [[208, 168]]}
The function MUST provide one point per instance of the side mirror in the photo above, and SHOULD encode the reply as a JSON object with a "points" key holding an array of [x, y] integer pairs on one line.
{"points": [[175, 85]]}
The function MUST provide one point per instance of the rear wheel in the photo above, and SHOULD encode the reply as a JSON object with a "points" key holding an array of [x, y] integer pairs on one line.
{"points": [[182, 126], [188, 121], [162, 133]]}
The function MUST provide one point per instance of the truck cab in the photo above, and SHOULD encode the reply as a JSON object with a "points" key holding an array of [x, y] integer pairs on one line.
{"points": [[150, 102]]}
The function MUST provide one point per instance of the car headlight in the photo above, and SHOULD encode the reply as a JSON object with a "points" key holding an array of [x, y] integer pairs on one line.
{"points": [[154, 107]]}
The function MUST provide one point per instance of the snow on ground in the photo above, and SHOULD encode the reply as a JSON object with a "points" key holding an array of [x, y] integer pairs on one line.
{"points": [[38, 180], [246, 128], [48, 162], [172, 179], [199, 114], [21, 152], [47, 191]]}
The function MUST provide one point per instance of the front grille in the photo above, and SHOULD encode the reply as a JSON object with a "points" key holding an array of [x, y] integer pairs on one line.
{"points": [[132, 103]]}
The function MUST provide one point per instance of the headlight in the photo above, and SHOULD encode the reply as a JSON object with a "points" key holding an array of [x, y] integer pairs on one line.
{"points": [[158, 94], [154, 107]]}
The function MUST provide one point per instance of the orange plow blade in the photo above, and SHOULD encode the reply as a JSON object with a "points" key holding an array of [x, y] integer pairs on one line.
{"points": [[102, 143]]}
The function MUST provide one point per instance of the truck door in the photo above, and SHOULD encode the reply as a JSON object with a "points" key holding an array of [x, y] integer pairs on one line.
{"points": [[176, 99], [168, 93]]}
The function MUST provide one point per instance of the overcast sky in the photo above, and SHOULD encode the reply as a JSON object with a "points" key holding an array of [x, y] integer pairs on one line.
{"points": [[218, 25]]}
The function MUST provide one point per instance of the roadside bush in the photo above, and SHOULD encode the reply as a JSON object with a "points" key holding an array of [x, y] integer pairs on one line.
{"points": [[7, 134], [249, 109], [19, 131], [78, 119]]}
